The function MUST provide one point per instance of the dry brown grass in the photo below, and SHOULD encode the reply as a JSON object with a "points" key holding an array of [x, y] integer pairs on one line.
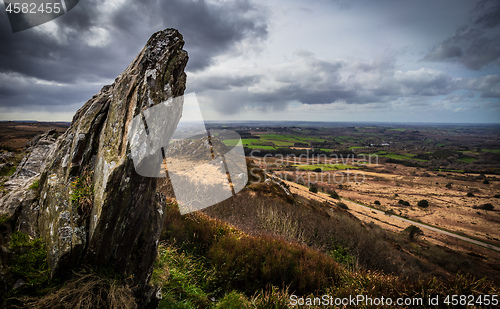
{"points": [[86, 290], [274, 220], [265, 208]]}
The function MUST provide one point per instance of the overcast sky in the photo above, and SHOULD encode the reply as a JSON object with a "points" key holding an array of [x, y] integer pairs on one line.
{"points": [[316, 60]]}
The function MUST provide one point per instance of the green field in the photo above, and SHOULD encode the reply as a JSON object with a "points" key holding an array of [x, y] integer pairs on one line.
{"points": [[261, 147], [408, 156], [289, 138], [277, 140], [491, 150], [468, 160], [249, 142]]}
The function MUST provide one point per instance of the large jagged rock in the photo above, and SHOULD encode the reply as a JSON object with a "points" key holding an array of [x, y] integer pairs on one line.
{"points": [[94, 208]]}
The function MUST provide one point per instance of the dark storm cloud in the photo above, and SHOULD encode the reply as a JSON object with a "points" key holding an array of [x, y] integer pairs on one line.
{"points": [[313, 81], [476, 44], [96, 40], [63, 56], [213, 29]]}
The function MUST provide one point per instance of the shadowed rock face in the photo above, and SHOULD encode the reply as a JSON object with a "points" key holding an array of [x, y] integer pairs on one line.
{"points": [[94, 208]]}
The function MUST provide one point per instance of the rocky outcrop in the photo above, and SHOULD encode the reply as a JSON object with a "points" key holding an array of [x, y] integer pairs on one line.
{"points": [[33, 163], [121, 225], [20, 203], [94, 209]]}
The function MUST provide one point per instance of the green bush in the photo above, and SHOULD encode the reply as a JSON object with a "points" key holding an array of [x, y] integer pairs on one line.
{"points": [[34, 185], [343, 256], [183, 279], [82, 194], [30, 258]]}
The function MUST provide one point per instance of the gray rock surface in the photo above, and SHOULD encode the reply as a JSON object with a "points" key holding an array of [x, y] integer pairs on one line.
{"points": [[21, 200], [33, 163], [94, 209]]}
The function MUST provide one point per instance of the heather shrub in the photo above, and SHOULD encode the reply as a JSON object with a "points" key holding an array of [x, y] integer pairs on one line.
{"points": [[250, 263]]}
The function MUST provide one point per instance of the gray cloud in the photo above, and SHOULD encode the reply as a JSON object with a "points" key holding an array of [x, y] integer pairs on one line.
{"points": [[64, 62], [476, 44], [95, 41], [310, 81], [488, 86]]}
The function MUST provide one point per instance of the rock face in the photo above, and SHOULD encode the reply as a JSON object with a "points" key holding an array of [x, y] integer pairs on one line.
{"points": [[94, 209], [21, 203], [33, 163]]}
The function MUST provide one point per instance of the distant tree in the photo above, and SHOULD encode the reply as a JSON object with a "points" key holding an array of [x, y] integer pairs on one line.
{"points": [[423, 203], [470, 194], [318, 170], [313, 189], [486, 181], [413, 232], [334, 194], [376, 203]]}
